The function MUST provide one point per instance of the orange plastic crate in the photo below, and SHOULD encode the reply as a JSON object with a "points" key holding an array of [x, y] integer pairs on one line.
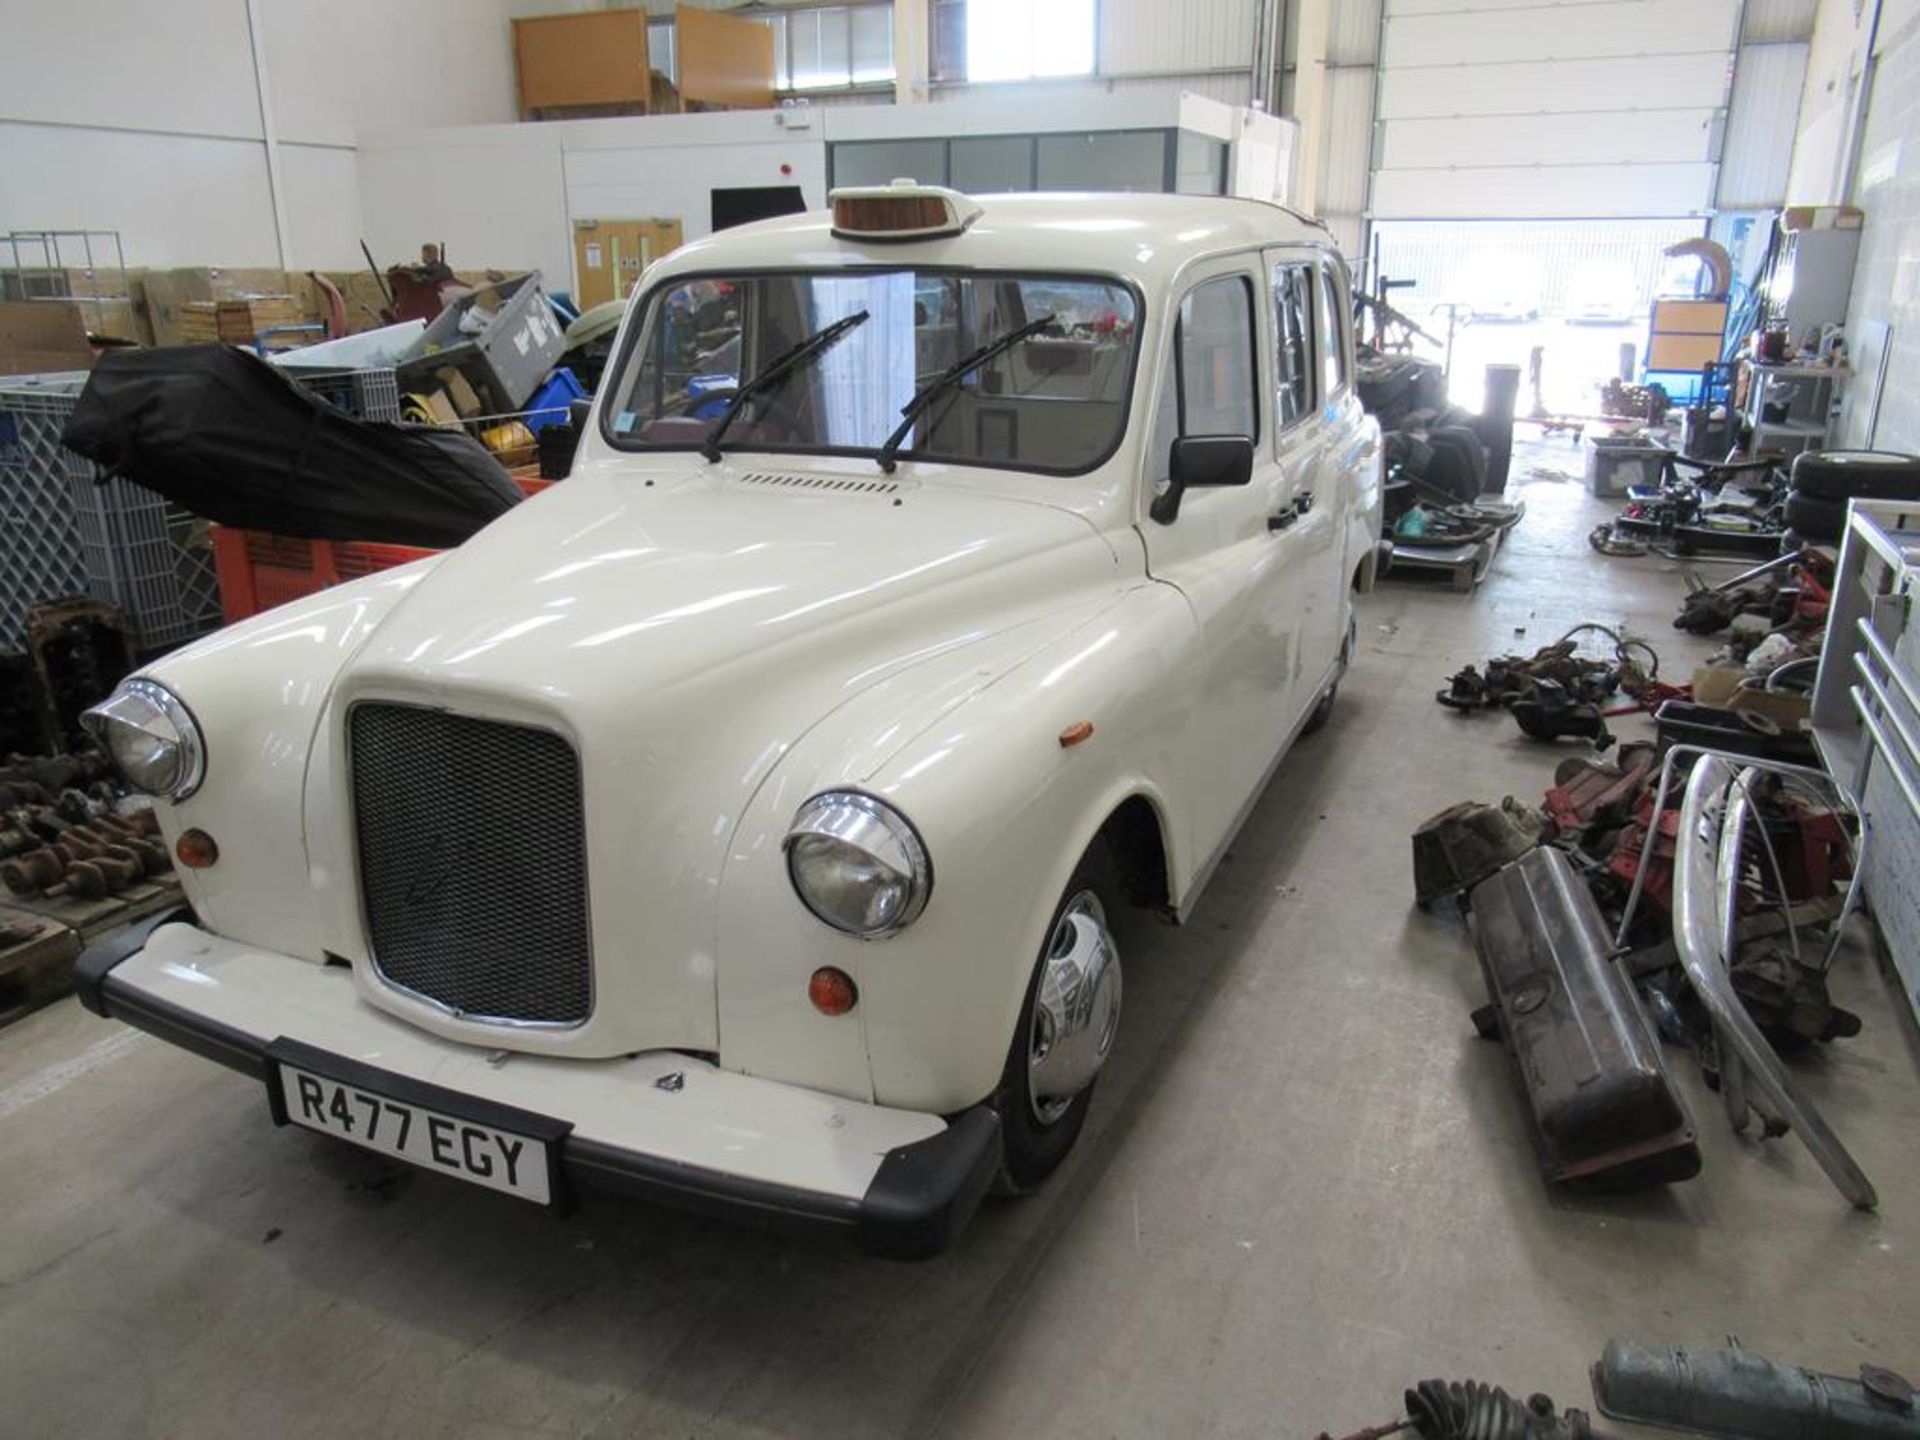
{"points": [[258, 570]]}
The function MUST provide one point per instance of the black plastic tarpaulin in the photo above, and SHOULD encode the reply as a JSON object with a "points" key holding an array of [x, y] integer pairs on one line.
{"points": [[221, 432]]}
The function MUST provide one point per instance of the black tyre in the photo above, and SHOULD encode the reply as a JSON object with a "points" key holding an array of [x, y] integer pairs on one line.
{"points": [[1037, 1133], [1819, 520], [1459, 464], [1863, 474], [1323, 707]]}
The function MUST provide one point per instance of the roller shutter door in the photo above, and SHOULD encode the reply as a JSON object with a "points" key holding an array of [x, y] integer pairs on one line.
{"points": [[1539, 109]]}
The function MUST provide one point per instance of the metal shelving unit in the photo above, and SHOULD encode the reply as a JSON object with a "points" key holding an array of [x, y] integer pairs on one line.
{"points": [[1866, 715], [1808, 394]]}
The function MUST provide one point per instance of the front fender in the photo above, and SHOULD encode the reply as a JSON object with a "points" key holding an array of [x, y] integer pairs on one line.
{"points": [[1006, 812], [258, 690]]}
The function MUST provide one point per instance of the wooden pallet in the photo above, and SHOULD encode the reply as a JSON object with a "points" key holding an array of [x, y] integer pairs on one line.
{"points": [[38, 970], [90, 919], [235, 322]]}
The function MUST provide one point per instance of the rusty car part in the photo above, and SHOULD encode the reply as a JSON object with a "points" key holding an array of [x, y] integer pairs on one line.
{"points": [[34, 870], [1586, 793], [1706, 871], [1464, 844], [1605, 1114], [1736, 1394], [1474, 1410], [1549, 711], [81, 648]]}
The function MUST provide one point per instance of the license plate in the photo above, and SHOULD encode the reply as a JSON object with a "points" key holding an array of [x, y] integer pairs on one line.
{"points": [[515, 1152]]}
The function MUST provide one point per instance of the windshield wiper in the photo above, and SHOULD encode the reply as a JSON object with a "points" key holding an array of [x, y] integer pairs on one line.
{"points": [[773, 373], [946, 379]]}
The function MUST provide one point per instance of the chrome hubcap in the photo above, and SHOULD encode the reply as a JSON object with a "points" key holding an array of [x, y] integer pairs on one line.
{"points": [[1076, 1012]]}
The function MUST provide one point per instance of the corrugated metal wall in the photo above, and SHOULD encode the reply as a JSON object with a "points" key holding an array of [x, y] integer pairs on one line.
{"points": [[1155, 37], [1353, 54], [1760, 125], [1768, 20]]}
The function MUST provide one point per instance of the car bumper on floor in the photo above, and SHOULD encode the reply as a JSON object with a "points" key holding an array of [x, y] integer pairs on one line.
{"points": [[659, 1125]]}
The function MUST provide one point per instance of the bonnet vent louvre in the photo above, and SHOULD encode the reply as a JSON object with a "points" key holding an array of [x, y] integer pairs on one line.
{"points": [[842, 484]]}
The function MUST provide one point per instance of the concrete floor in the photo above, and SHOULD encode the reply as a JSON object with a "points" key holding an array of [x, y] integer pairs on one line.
{"points": [[1304, 1186]]}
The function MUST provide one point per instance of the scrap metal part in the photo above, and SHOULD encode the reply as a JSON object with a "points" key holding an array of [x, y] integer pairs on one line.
{"points": [[1605, 1114], [1474, 1410], [1712, 817], [1743, 1396], [1464, 844]]}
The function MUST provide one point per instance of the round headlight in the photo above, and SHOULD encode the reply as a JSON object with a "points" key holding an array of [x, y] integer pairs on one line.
{"points": [[857, 864], [151, 738]]}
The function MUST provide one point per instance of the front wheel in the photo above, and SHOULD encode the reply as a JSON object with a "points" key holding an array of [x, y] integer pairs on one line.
{"points": [[1066, 1031]]}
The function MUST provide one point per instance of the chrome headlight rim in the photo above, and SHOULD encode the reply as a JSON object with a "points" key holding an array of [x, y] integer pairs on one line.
{"points": [[187, 736], [854, 810]]}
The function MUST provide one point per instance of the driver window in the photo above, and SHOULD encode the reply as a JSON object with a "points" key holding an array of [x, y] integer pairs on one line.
{"points": [[1211, 386], [1293, 339]]}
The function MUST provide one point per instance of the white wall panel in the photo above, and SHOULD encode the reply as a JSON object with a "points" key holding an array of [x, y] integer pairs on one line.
{"points": [[495, 194], [185, 66], [645, 182], [1564, 87], [321, 186], [1571, 192], [1760, 126], [175, 199], [148, 111], [337, 70]]}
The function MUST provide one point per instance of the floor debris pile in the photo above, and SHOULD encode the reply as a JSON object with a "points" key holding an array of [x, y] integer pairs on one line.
{"points": [[1728, 1392], [1595, 950]]}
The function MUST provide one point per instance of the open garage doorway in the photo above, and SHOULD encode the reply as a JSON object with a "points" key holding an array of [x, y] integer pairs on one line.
{"points": [[1579, 290]]}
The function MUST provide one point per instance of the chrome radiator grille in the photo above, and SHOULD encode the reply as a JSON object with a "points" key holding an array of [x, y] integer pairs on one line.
{"points": [[473, 865]]}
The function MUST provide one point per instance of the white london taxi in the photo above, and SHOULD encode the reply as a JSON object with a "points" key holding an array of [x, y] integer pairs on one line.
{"points": [[738, 822]]}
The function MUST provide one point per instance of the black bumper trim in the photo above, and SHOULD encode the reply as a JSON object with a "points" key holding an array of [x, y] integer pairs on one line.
{"points": [[918, 1202]]}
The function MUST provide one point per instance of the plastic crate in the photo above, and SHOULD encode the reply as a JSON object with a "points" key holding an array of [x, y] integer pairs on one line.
{"points": [[63, 532], [136, 549], [368, 394], [40, 552], [508, 358], [259, 571], [1617, 463]]}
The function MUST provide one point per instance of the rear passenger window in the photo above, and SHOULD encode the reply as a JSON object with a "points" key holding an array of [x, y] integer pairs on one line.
{"points": [[1335, 319], [1294, 341], [1214, 385]]}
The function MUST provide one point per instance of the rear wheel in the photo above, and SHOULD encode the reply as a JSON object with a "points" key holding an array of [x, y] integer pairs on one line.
{"points": [[1066, 1031], [1323, 707]]}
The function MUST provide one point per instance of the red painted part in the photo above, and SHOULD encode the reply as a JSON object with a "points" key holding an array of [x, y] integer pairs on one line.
{"points": [[258, 571]]}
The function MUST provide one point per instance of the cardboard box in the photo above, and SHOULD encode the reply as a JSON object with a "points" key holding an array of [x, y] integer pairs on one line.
{"points": [[38, 337], [459, 390], [1822, 217]]}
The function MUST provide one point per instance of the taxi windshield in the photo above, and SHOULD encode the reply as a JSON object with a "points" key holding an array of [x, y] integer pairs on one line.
{"points": [[1054, 401]]}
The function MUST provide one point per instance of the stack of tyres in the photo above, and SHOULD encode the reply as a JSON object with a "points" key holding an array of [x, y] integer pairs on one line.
{"points": [[1825, 480]]}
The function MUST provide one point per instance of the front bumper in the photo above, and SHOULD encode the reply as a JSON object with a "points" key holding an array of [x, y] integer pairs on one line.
{"points": [[659, 1125]]}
